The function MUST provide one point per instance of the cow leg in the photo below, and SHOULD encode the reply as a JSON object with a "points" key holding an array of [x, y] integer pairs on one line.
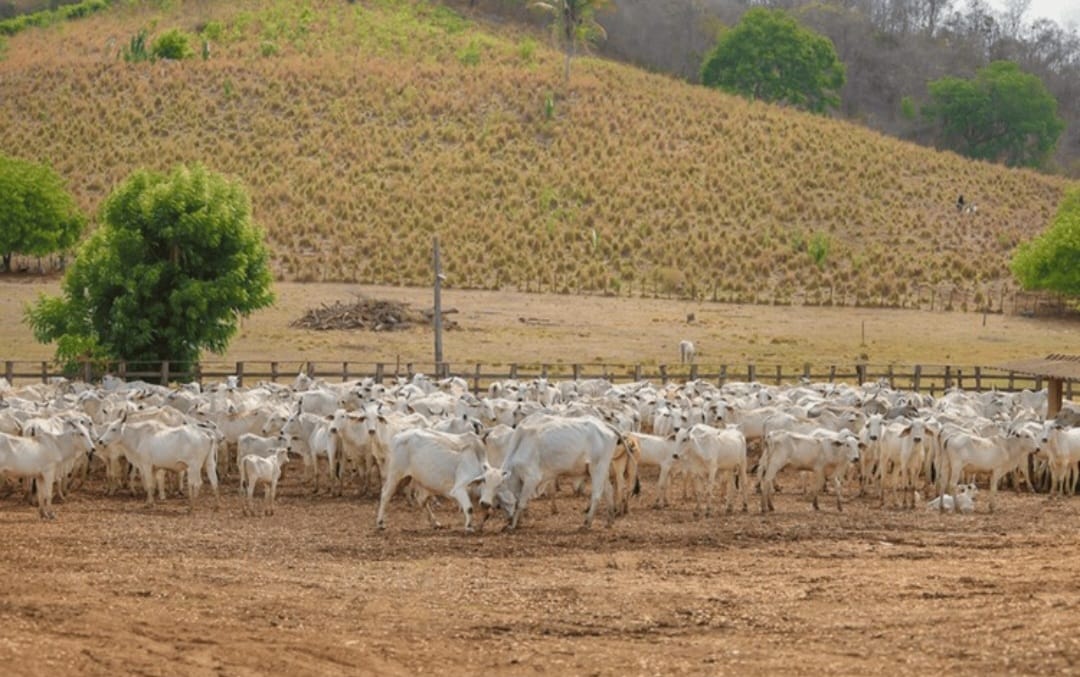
{"points": [[528, 488], [995, 478], [390, 483], [249, 504], [194, 477], [44, 495], [461, 495], [211, 474]]}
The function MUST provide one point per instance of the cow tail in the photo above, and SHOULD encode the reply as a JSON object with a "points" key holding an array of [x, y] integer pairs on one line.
{"points": [[632, 476]]}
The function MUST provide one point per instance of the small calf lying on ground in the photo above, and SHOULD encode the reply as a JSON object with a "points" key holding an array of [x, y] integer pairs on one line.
{"points": [[963, 501]]}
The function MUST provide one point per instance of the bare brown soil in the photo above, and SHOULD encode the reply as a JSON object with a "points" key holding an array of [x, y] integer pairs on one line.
{"points": [[113, 588]]}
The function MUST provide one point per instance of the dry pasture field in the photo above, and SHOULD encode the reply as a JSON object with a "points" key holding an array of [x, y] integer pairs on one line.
{"points": [[113, 588], [504, 327]]}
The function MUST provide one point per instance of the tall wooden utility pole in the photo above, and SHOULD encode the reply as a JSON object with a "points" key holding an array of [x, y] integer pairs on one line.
{"points": [[437, 317]]}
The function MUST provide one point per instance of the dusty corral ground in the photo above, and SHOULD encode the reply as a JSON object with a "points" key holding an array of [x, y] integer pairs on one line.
{"points": [[113, 588]]}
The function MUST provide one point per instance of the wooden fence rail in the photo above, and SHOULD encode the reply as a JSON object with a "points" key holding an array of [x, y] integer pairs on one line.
{"points": [[931, 379]]}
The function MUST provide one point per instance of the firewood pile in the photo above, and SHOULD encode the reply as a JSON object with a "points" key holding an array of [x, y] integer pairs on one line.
{"points": [[370, 314]]}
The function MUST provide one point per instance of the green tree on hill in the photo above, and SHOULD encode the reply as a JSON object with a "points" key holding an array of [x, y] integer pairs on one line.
{"points": [[37, 214], [1052, 261], [176, 263], [769, 56], [575, 23], [1003, 114]]}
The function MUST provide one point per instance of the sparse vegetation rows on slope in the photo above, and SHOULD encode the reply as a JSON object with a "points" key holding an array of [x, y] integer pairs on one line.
{"points": [[364, 129]]}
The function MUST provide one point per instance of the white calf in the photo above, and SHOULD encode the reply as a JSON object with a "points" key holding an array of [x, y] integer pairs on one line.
{"points": [[963, 501], [704, 451], [659, 452], [255, 469], [824, 453]]}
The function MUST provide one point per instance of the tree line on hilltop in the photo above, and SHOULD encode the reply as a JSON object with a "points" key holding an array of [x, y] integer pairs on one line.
{"points": [[893, 53]]}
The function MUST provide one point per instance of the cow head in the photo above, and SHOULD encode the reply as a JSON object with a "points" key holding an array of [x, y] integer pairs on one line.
{"points": [[491, 482]]}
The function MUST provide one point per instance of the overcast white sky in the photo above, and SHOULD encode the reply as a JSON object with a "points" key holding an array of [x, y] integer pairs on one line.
{"points": [[1061, 11]]}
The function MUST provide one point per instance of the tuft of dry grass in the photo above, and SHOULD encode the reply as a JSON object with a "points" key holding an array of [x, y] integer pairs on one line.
{"points": [[372, 126]]}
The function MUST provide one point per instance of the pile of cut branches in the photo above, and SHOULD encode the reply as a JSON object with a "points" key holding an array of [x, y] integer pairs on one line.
{"points": [[370, 314]]}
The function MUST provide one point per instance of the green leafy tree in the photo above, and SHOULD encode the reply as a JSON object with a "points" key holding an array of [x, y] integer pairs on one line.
{"points": [[176, 263], [769, 56], [37, 214], [1003, 114], [575, 23], [1052, 260]]}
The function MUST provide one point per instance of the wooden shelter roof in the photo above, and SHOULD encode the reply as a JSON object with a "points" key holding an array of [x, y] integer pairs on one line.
{"points": [[1065, 367]]}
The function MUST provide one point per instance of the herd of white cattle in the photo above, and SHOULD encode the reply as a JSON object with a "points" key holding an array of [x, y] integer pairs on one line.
{"points": [[515, 443]]}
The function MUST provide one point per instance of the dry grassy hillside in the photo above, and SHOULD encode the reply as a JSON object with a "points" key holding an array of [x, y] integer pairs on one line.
{"points": [[362, 129]]}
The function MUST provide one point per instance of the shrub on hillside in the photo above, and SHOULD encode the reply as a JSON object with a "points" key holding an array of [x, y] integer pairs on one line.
{"points": [[174, 44]]}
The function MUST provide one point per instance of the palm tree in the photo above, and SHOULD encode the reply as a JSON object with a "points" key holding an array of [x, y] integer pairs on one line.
{"points": [[575, 21]]}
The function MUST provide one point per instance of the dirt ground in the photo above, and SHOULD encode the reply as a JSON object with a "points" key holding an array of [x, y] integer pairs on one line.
{"points": [[113, 588]]}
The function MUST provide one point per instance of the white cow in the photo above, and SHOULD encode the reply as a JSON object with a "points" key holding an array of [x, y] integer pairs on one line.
{"points": [[1062, 446], [902, 453], [359, 435], [964, 451], [439, 464], [39, 456], [314, 436], [152, 447], [705, 451], [825, 453], [686, 352], [545, 448], [659, 452], [256, 469]]}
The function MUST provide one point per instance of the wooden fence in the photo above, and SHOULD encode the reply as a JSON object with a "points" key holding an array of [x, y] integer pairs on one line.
{"points": [[931, 379]]}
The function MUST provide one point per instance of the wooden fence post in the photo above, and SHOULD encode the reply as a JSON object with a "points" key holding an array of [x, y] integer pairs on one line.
{"points": [[9, 372], [379, 367], [513, 371], [722, 378], [693, 372], [88, 372], [122, 370], [637, 373], [916, 378], [751, 372], [344, 372], [273, 372], [806, 370], [164, 372], [779, 375], [978, 379], [476, 380], [44, 372], [577, 372], [832, 373], [240, 374], [948, 378], [198, 374]]}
